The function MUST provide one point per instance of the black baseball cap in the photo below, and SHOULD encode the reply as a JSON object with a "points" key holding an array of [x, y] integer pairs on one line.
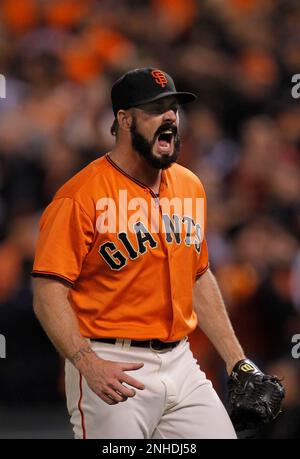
{"points": [[140, 86]]}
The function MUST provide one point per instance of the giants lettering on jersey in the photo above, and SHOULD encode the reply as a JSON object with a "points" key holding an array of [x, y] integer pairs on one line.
{"points": [[117, 258]]}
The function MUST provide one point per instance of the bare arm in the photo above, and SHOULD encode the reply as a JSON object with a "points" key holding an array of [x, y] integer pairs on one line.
{"points": [[214, 320], [105, 378]]}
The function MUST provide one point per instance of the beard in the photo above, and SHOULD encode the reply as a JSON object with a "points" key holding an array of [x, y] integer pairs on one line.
{"points": [[145, 148]]}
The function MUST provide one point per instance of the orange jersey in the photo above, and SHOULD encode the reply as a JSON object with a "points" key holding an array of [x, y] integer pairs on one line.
{"points": [[132, 257]]}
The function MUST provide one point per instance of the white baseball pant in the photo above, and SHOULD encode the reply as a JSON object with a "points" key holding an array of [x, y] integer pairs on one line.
{"points": [[178, 402]]}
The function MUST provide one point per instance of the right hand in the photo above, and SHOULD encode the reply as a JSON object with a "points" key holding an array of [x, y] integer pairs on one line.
{"points": [[106, 379]]}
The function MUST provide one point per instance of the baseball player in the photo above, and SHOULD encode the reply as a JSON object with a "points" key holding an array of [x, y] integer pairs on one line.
{"points": [[122, 277]]}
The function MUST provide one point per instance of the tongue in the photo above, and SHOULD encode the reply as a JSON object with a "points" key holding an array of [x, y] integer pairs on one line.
{"points": [[163, 143]]}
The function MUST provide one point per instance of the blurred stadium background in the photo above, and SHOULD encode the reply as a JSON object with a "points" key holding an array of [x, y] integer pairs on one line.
{"points": [[242, 139]]}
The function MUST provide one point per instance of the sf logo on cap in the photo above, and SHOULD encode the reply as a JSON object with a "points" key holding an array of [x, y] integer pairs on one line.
{"points": [[160, 77]]}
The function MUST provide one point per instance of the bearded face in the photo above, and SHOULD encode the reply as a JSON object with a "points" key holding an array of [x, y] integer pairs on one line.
{"points": [[160, 151]]}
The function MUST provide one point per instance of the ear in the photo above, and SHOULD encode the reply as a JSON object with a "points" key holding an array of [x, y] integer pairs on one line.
{"points": [[124, 119]]}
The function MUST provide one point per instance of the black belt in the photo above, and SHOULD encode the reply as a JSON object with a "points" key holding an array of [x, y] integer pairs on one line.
{"points": [[154, 344]]}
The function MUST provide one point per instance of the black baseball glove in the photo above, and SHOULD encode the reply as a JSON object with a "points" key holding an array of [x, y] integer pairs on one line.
{"points": [[254, 398]]}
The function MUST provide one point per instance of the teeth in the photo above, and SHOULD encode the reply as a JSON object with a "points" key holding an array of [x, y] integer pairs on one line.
{"points": [[166, 132]]}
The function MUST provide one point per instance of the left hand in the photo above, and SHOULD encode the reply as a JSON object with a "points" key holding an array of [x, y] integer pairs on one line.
{"points": [[254, 398]]}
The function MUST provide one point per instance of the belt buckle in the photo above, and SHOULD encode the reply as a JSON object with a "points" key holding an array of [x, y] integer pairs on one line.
{"points": [[161, 350]]}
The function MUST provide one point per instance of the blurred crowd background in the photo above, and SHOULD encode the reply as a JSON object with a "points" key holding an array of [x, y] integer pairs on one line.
{"points": [[242, 138]]}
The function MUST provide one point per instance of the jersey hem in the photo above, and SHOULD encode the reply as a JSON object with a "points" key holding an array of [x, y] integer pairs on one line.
{"points": [[200, 273], [36, 273]]}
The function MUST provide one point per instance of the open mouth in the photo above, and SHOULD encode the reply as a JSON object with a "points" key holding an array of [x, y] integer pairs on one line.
{"points": [[165, 138]]}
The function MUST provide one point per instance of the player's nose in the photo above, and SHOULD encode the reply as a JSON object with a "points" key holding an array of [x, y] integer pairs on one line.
{"points": [[169, 116]]}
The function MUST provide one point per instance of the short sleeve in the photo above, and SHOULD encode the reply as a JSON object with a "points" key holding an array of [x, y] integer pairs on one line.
{"points": [[203, 261], [66, 233]]}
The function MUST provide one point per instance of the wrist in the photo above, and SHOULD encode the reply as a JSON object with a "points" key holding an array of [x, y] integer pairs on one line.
{"points": [[230, 364], [84, 358]]}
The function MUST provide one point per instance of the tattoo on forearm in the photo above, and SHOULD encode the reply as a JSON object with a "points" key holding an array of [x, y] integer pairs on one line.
{"points": [[78, 355]]}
